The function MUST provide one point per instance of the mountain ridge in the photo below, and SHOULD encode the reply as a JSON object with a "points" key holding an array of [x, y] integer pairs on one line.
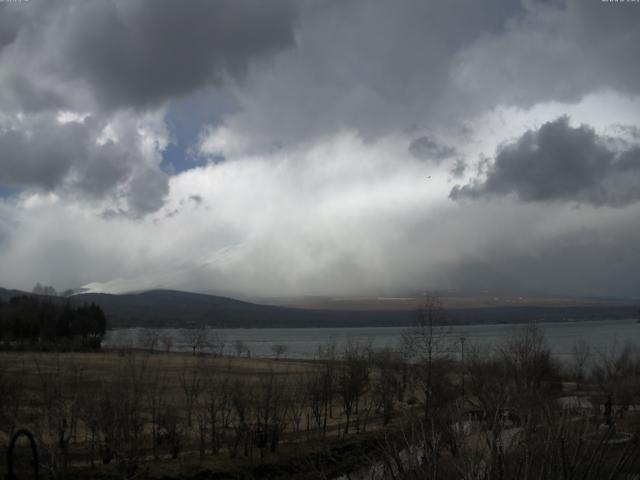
{"points": [[174, 308]]}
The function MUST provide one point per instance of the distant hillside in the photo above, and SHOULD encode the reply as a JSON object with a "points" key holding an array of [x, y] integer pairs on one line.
{"points": [[168, 308], [7, 294], [181, 309], [177, 309], [449, 301]]}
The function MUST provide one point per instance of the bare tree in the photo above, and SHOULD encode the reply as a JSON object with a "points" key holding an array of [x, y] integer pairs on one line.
{"points": [[197, 339], [59, 387], [386, 383], [269, 411], [115, 414], [11, 398], [317, 405], [217, 343], [217, 407], [156, 405], [532, 374], [172, 430], [166, 340], [325, 382], [353, 379], [131, 392], [239, 347], [191, 383], [149, 339], [279, 350], [580, 356], [617, 372], [298, 394], [428, 342], [242, 411]]}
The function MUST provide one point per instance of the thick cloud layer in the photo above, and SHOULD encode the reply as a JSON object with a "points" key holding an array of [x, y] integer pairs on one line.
{"points": [[287, 147], [556, 51], [84, 157], [560, 163], [377, 68], [107, 60], [137, 54], [370, 67], [344, 218]]}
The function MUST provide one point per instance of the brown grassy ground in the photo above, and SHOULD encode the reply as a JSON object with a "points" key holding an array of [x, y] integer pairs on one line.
{"points": [[30, 372]]}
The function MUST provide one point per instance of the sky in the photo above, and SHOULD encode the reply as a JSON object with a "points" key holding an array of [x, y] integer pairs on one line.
{"points": [[321, 147]]}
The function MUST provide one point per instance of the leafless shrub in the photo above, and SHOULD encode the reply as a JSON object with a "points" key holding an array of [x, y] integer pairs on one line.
{"points": [[149, 339], [217, 408], [322, 387], [217, 343], [241, 414], [157, 404], [299, 400], [166, 341], [11, 399], [428, 342], [58, 390], [387, 383], [617, 373], [239, 347], [566, 449], [579, 364], [270, 409], [191, 379], [114, 414], [353, 379], [279, 350], [198, 339]]}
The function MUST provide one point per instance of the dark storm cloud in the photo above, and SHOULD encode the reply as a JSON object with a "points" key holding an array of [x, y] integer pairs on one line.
{"points": [[592, 261], [107, 56], [372, 67], [50, 155], [379, 67], [10, 22], [31, 96], [558, 162], [556, 51], [139, 54], [299, 78], [429, 148], [147, 191], [30, 161]]}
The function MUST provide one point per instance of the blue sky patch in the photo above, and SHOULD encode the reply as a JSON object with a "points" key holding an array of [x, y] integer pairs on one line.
{"points": [[186, 119]]}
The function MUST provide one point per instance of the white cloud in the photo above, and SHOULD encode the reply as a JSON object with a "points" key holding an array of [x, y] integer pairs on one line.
{"points": [[221, 141], [318, 192], [343, 216]]}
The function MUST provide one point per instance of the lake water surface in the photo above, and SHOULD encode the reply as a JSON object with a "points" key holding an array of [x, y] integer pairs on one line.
{"points": [[303, 342]]}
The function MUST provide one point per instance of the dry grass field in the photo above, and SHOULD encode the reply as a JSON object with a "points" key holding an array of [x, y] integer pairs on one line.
{"points": [[136, 414], [113, 411]]}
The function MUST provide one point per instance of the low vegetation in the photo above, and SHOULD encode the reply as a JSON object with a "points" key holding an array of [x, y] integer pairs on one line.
{"points": [[35, 322], [511, 411]]}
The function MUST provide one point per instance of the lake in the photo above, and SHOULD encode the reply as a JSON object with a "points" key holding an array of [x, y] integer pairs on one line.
{"points": [[303, 342]]}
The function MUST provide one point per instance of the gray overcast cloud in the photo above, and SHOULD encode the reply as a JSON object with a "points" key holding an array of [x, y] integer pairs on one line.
{"points": [[333, 147]]}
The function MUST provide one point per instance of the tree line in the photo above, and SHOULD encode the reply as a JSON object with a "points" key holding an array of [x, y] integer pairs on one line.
{"points": [[30, 321]]}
